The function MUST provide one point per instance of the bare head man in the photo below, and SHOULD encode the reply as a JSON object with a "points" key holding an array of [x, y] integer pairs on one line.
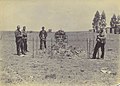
{"points": [[43, 28], [24, 28], [102, 28], [18, 27]]}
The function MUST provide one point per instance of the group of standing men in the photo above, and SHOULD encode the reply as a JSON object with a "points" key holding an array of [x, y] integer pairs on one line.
{"points": [[21, 40]]}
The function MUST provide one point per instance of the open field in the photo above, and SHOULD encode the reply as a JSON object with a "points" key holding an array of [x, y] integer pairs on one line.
{"points": [[42, 68]]}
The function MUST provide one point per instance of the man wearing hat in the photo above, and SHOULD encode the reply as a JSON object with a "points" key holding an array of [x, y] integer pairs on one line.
{"points": [[42, 36]]}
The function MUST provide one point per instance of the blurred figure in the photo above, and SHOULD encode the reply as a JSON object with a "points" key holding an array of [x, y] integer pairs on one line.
{"points": [[24, 34], [42, 36], [101, 41], [19, 41]]}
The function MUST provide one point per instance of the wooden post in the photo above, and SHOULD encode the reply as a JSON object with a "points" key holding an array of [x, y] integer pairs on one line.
{"points": [[36, 45], [67, 40], [87, 47], [33, 46], [93, 43], [1, 37], [51, 48]]}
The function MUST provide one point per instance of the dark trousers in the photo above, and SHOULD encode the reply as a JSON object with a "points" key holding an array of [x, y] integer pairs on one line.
{"points": [[41, 43], [25, 45], [19, 45], [97, 46]]}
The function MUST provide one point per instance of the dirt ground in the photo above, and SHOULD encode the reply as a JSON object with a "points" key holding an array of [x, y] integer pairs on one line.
{"points": [[57, 70]]}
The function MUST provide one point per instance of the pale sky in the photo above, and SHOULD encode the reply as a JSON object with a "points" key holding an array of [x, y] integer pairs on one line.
{"points": [[69, 15]]}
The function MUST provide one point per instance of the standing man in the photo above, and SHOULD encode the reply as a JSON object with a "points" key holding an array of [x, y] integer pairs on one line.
{"points": [[101, 41], [19, 41], [42, 36], [24, 34]]}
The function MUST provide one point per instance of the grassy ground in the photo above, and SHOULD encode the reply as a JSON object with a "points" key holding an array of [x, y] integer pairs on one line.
{"points": [[66, 71]]}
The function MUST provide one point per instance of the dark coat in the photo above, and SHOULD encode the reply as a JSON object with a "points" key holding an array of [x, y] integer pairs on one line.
{"points": [[42, 34], [18, 36]]}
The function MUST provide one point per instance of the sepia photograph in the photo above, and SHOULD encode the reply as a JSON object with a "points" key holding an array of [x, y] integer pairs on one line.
{"points": [[59, 42]]}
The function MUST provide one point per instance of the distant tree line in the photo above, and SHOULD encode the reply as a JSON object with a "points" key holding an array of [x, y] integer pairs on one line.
{"points": [[115, 24], [100, 19]]}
